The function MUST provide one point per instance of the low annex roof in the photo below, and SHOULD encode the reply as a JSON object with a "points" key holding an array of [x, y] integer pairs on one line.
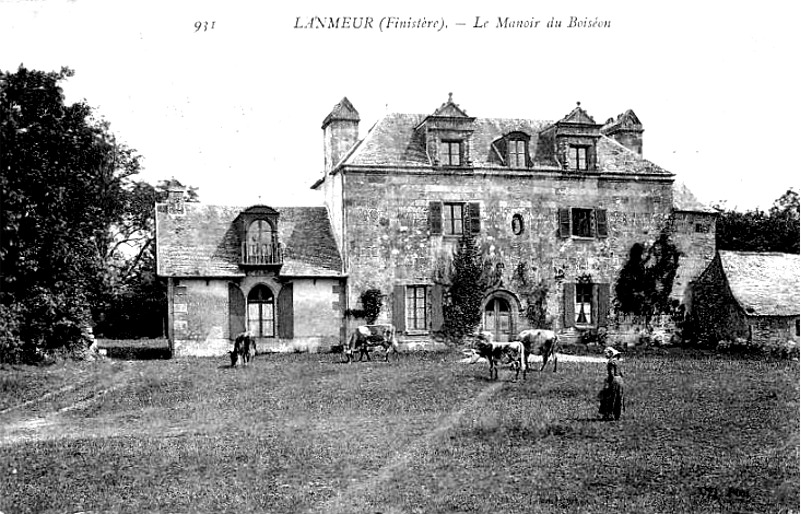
{"points": [[203, 242], [764, 283]]}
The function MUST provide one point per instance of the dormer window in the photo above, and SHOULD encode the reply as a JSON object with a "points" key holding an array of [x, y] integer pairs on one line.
{"points": [[518, 153], [258, 236], [447, 134], [575, 139], [450, 153], [578, 158], [512, 149]]}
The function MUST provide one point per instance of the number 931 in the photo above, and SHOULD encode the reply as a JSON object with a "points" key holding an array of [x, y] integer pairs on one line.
{"points": [[205, 25]]}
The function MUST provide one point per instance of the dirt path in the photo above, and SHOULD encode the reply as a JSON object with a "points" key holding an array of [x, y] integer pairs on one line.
{"points": [[17, 425], [352, 499]]}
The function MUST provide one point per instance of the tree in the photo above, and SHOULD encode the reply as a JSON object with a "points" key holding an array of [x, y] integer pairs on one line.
{"points": [[462, 313], [61, 188], [134, 302], [758, 231], [646, 280]]}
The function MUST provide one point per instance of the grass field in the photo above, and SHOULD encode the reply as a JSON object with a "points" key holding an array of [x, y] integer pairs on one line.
{"points": [[302, 433]]}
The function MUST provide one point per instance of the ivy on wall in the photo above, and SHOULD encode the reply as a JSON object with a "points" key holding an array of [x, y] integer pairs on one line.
{"points": [[536, 293], [646, 280]]}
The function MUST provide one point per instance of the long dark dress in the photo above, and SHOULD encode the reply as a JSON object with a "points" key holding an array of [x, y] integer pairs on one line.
{"points": [[611, 396]]}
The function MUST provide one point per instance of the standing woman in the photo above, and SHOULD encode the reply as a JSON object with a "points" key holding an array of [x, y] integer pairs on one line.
{"points": [[611, 396]]}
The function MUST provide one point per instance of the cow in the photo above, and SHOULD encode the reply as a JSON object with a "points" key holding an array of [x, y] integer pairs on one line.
{"points": [[367, 337], [537, 341], [494, 352], [244, 349]]}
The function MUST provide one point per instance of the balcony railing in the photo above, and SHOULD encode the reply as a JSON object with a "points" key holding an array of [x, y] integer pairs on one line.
{"points": [[262, 254]]}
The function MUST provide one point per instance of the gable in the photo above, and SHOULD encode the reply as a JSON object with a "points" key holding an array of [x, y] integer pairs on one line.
{"points": [[450, 109], [578, 116]]}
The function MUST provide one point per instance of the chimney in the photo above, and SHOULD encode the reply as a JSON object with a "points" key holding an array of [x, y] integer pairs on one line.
{"points": [[626, 129], [340, 133], [175, 197]]}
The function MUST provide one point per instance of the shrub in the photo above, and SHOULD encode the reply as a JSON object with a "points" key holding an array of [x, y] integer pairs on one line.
{"points": [[372, 302], [462, 313]]}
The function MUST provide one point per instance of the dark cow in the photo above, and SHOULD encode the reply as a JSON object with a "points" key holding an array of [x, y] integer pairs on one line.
{"points": [[367, 337], [244, 349], [511, 352], [539, 342]]}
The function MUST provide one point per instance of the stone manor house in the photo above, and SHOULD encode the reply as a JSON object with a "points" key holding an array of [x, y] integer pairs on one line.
{"points": [[558, 204]]}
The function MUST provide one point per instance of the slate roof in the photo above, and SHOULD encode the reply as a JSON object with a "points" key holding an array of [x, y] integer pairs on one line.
{"points": [[685, 200], [204, 242], [764, 283], [393, 141]]}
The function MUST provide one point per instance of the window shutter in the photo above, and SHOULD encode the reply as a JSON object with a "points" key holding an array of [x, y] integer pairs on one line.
{"points": [[570, 305], [236, 311], [399, 309], [286, 322], [592, 223], [436, 308], [564, 222], [603, 304], [474, 213], [435, 218], [600, 220]]}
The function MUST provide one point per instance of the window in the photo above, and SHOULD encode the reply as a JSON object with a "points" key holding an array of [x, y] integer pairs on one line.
{"points": [[701, 228], [450, 153], [453, 216], [517, 224], [261, 312], [416, 310], [578, 157], [517, 153], [260, 243], [582, 222], [583, 307]]}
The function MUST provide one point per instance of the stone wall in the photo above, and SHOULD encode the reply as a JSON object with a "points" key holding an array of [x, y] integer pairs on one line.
{"points": [[199, 317], [693, 233], [773, 331], [200, 323], [388, 240], [318, 311]]}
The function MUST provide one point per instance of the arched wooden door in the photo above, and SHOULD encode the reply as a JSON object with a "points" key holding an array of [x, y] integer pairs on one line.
{"points": [[498, 319]]}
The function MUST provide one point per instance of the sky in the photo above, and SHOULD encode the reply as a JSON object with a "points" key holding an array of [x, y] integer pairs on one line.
{"points": [[235, 107]]}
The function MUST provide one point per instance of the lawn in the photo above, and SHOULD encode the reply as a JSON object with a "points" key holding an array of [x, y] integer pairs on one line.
{"points": [[304, 433]]}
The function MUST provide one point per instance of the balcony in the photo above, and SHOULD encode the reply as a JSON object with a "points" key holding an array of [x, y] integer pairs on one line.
{"points": [[262, 254]]}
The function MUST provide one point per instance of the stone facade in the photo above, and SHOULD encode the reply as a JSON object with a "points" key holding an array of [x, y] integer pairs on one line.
{"points": [[558, 204]]}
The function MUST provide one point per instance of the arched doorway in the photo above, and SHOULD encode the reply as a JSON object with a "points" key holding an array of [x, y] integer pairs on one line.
{"points": [[499, 316], [261, 311]]}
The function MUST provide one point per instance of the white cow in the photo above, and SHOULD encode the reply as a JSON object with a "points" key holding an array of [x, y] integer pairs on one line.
{"points": [[537, 341]]}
